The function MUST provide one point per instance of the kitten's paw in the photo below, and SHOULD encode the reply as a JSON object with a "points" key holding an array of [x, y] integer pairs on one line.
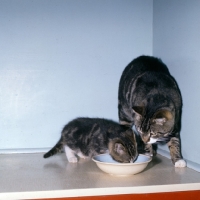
{"points": [[80, 154], [180, 163], [148, 154], [73, 160]]}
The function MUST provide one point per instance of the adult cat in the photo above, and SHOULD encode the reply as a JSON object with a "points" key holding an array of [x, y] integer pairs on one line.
{"points": [[87, 137], [149, 99]]}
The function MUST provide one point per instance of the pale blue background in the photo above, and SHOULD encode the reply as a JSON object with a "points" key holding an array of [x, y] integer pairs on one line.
{"points": [[60, 59], [176, 39], [63, 59]]}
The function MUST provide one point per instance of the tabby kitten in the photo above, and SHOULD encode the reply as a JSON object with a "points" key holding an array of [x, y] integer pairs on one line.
{"points": [[87, 137], [149, 99]]}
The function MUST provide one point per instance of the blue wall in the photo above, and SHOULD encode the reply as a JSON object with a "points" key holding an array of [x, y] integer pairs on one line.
{"points": [[60, 59], [176, 33]]}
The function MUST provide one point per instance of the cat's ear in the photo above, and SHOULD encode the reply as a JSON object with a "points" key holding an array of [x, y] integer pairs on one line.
{"points": [[162, 116], [159, 121], [119, 148]]}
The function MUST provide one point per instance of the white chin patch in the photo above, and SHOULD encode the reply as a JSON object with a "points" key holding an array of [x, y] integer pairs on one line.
{"points": [[152, 140]]}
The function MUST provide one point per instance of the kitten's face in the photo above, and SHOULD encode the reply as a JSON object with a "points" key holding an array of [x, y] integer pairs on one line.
{"points": [[155, 128], [124, 149]]}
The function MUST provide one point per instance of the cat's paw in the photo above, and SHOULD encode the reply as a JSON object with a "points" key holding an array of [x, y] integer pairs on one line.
{"points": [[180, 163], [148, 154], [81, 155], [73, 160]]}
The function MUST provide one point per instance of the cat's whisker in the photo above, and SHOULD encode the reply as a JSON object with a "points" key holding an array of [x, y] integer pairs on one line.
{"points": [[131, 161]]}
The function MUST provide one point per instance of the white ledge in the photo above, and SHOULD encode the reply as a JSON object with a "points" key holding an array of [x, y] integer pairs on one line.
{"points": [[28, 176]]}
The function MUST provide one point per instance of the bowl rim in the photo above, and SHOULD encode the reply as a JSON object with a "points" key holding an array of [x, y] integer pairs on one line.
{"points": [[121, 164]]}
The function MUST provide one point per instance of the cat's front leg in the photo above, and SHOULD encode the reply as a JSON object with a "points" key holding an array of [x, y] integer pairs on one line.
{"points": [[71, 155], [81, 155], [149, 150], [174, 148]]}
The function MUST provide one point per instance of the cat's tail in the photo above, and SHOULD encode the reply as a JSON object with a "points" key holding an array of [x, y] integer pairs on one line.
{"points": [[58, 147]]}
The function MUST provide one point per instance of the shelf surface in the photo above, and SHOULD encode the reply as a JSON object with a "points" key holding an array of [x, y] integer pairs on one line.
{"points": [[26, 176]]}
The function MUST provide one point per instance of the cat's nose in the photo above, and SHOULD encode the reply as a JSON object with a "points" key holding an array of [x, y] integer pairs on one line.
{"points": [[146, 138]]}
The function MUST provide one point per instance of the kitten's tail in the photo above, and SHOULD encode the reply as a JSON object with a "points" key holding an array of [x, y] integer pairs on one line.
{"points": [[54, 150]]}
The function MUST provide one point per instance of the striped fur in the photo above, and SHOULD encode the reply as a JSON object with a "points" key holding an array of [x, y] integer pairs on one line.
{"points": [[86, 137], [150, 100]]}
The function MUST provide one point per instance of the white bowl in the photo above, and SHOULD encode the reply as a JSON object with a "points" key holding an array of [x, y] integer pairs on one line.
{"points": [[110, 166]]}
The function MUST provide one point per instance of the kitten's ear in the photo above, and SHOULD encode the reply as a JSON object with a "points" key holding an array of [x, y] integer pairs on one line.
{"points": [[138, 109], [119, 148], [162, 116]]}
